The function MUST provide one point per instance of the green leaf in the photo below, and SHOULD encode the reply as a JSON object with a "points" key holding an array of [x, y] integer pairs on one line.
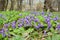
{"points": [[52, 30], [12, 33], [30, 30], [1, 36], [41, 18], [20, 30], [35, 33], [6, 38], [17, 37]]}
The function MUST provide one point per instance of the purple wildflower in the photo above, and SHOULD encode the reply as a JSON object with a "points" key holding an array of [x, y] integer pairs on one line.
{"points": [[20, 25], [13, 24], [56, 18], [58, 27], [2, 32], [32, 18], [0, 15], [27, 21], [45, 32], [27, 17], [49, 25], [6, 25], [48, 19], [22, 20], [43, 13], [45, 16], [38, 26], [36, 20]]}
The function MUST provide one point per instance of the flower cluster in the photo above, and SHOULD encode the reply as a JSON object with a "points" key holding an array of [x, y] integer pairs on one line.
{"points": [[32, 20]]}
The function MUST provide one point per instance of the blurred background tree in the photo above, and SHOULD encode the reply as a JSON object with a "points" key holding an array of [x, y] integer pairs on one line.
{"points": [[2, 5], [51, 4], [58, 5], [29, 5]]}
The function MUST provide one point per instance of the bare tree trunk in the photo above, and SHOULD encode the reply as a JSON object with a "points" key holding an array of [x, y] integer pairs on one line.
{"points": [[59, 5], [12, 5], [2, 5], [15, 5], [48, 5], [19, 4], [30, 3], [9, 5], [6, 3]]}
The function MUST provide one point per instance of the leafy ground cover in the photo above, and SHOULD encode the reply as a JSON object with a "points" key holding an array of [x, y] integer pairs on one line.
{"points": [[15, 25]]}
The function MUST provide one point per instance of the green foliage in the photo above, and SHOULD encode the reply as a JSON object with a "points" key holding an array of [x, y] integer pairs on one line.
{"points": [[17, 37], [1, 36], [21, 33], [53, 37], [1, 21], [41, 18]]}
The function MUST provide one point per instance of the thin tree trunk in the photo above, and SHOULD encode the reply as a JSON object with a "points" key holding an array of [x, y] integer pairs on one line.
{"points": [[9, 5], [12, 5], [2, 5], [59, 5], [19, 4], [6, 3], [15, 5], [30, 4]]}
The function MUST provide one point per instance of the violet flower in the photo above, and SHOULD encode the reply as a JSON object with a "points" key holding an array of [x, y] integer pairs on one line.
{"points": [[48, 19], [27, 17], [58, 27], [0, 15], [32, 18], [13, 24], [45, 32], [2, 32], [49, 25], [36, 20], [38, 26], [43, 13], [56, 18], [20, 25], [26, 21], [6, 25]]}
